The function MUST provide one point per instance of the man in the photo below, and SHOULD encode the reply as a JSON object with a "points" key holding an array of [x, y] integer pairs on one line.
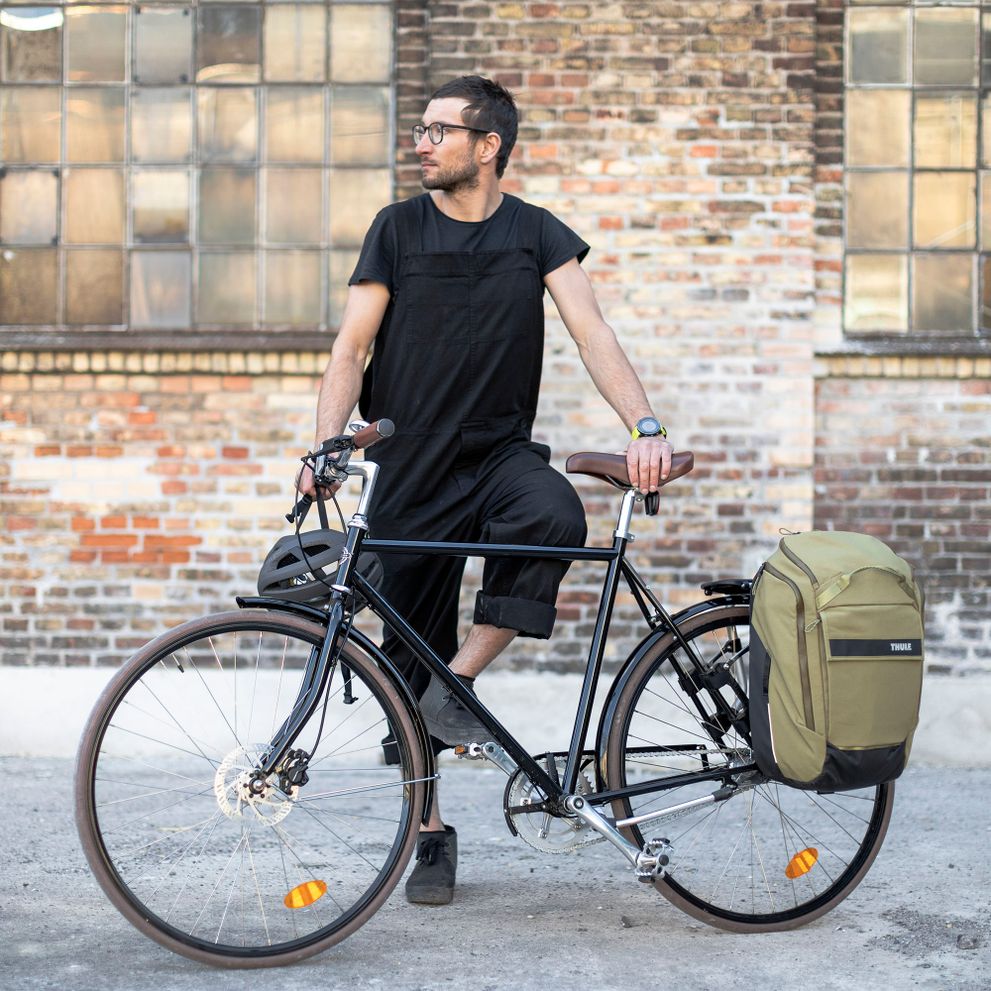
{"points": [[449, 290]]}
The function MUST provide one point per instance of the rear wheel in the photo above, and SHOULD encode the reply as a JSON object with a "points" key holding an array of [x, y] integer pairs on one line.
{"points": [[187, 851], [768, 858]]}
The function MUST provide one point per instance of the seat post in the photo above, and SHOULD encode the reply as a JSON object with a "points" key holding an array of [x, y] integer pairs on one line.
{"points": [[630, 496]]}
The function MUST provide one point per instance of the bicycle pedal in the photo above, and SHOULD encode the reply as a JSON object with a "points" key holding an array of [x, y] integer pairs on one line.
{"points": [[469, 751], [654, 860]]}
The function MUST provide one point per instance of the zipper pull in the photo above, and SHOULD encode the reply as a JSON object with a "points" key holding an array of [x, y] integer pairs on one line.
{"points": [[811, 626]]}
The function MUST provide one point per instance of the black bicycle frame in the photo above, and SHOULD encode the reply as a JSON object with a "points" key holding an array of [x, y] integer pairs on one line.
{"points": [[349, 580]]}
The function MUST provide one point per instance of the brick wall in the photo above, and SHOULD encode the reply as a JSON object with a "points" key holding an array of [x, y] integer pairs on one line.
{"points": [[921, 483], [677, 138], [696, 146]]}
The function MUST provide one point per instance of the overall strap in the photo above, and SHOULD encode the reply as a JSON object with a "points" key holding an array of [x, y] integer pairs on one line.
{"points": [[530, 226], [409, 229]]}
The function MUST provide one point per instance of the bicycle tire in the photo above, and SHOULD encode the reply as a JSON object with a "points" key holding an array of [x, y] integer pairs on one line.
{"points": [[161, 802], [654, 730]]}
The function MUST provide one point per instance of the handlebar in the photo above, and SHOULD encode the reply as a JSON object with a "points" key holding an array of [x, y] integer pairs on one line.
{"points": [[321, 463]]}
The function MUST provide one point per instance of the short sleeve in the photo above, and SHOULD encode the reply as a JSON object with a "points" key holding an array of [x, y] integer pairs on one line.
{"points": [[558, 244], [379, 253]]}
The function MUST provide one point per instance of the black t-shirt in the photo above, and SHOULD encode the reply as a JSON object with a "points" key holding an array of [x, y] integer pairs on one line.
{"points": [[380, 259]]}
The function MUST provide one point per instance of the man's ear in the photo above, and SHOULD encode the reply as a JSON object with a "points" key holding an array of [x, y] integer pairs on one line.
{"points": [[491, 144]]}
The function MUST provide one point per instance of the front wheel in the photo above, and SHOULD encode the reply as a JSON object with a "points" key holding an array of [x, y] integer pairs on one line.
{"points": [[214, 869], [768, 858]]}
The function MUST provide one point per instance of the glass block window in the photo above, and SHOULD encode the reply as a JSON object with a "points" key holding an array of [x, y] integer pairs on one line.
{"points": [[204, 166], [917, 169]]}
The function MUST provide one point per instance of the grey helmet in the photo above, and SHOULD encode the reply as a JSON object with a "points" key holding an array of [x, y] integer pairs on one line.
{"points": [[301, 567]]}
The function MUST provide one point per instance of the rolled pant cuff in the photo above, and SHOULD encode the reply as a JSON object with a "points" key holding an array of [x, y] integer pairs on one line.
{"points": [[528, 617]]}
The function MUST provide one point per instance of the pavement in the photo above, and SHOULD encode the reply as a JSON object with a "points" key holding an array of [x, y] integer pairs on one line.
{"points": [[921, 919]]}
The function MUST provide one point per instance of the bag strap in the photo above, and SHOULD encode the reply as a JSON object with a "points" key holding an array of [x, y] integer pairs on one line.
{"points": [[840, 583]]}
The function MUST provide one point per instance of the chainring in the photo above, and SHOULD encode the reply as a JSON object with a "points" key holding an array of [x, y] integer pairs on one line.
{"points": [[541, 830]]}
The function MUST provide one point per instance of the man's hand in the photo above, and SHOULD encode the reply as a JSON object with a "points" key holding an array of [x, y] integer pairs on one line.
{"points": [[305, 485], [648, 460]]}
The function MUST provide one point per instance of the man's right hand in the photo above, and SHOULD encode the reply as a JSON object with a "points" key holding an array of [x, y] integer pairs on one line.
{"points": [[306, 485]]}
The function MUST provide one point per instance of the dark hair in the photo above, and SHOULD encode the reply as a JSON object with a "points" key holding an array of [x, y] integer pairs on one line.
{"points": [[490, 106]]}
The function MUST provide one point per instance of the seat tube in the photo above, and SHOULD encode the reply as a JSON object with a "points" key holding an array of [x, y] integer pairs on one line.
{"points": [[621, 536]]}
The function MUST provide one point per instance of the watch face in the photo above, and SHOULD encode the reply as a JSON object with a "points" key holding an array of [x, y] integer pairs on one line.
{"points": [[648, 426]]}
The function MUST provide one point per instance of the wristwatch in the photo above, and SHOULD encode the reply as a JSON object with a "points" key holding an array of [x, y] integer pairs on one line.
{"points": [[648, 426]]}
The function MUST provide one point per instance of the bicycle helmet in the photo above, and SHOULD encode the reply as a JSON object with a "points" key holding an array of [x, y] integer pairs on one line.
{"points": [[301, 567]]}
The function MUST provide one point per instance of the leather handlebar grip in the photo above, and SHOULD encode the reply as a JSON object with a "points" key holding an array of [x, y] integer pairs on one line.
{"points": [[374, 432]]}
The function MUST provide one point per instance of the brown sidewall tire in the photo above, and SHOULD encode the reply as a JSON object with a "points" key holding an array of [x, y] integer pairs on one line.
{"points": [[93, 734]]}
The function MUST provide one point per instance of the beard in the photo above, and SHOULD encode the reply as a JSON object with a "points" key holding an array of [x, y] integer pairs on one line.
{"points": [[461, 176]]}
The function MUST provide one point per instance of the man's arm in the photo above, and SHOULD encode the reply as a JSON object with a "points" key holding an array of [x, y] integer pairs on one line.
{"points": [[341, 385], [648, 458]]}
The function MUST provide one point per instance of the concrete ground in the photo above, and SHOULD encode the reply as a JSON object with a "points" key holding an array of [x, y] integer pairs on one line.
{"points": [[921, 919]]}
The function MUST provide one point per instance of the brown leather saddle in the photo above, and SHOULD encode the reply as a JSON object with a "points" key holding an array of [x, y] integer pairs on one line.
{"points": [[612, 467]]}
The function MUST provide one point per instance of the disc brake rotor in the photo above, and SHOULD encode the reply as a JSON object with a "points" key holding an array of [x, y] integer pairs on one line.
{"points": [[539, 829], [237, 799]]}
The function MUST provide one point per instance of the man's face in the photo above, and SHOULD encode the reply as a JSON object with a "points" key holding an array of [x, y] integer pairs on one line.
{"points": [[453, 164]]}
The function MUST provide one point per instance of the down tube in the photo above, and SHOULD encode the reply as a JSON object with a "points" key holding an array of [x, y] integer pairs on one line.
{"points": [[433, 663]]}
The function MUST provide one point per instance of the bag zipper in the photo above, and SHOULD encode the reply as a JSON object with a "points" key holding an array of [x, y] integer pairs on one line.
{"points": [[799, 563], [803, 653]]}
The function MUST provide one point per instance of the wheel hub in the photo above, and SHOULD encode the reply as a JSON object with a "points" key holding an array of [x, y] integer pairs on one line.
{"points": [[242, 793]]}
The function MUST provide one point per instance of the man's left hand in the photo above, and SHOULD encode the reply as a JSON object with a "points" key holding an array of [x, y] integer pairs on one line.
{"points": [[648, 460]]}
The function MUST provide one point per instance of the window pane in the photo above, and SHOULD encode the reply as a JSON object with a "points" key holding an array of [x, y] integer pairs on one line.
{"points": [[228, 124], [28, 291], [942, 293], [96, 38], [985, 131], [160, 282], [360, 43], [293, 205], [877, 209], [292, 287], [94, 124], [227, 288], [28, 207], [985, 212], [877, 131], [946, 130], [228, 44], [94, 287], [161, 125], [986, 49], [359, 125], [876, 293], [163, 44], [160, 206], [94, 206], [946, 47], [342, 264], [356, 195], [878, 46], [227, 206], [30, 121], [295, 43], [985, 294], [945, 210], [31, 44], [294, 125]]}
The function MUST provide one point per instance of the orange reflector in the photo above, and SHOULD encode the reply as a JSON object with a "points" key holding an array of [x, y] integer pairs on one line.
{"points": [[305, 894], [802, 863]]}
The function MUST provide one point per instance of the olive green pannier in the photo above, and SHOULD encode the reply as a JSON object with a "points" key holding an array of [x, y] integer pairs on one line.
{"points": [[836, 658]]}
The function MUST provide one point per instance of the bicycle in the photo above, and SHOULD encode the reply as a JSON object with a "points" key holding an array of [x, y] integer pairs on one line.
{"points": [[233, 804]]}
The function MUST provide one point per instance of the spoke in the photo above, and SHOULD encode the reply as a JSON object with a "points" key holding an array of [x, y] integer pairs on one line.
{"points": [[220, 878], [199, 674], [147, 794], [170, 746], [258, 890], [198, 744], [348, 792], [333, 729], [217, 818], [161, 770], [278, 693], [674, 726], [340, 839], [171, 835], [148, 815], [168, 712]]}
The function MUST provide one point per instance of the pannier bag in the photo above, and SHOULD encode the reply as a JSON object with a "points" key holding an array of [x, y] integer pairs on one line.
{"points": [[836, 640]]}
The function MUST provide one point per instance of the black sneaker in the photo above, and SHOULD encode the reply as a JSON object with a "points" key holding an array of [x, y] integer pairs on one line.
{"points": [[432, 880], [447, 719]]}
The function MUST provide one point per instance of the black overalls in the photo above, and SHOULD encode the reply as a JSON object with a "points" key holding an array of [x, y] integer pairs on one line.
{"points": [[457, 366]]}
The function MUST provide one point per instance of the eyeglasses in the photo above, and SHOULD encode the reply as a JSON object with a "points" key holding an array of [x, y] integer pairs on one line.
{"points": [[437, 130]]}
